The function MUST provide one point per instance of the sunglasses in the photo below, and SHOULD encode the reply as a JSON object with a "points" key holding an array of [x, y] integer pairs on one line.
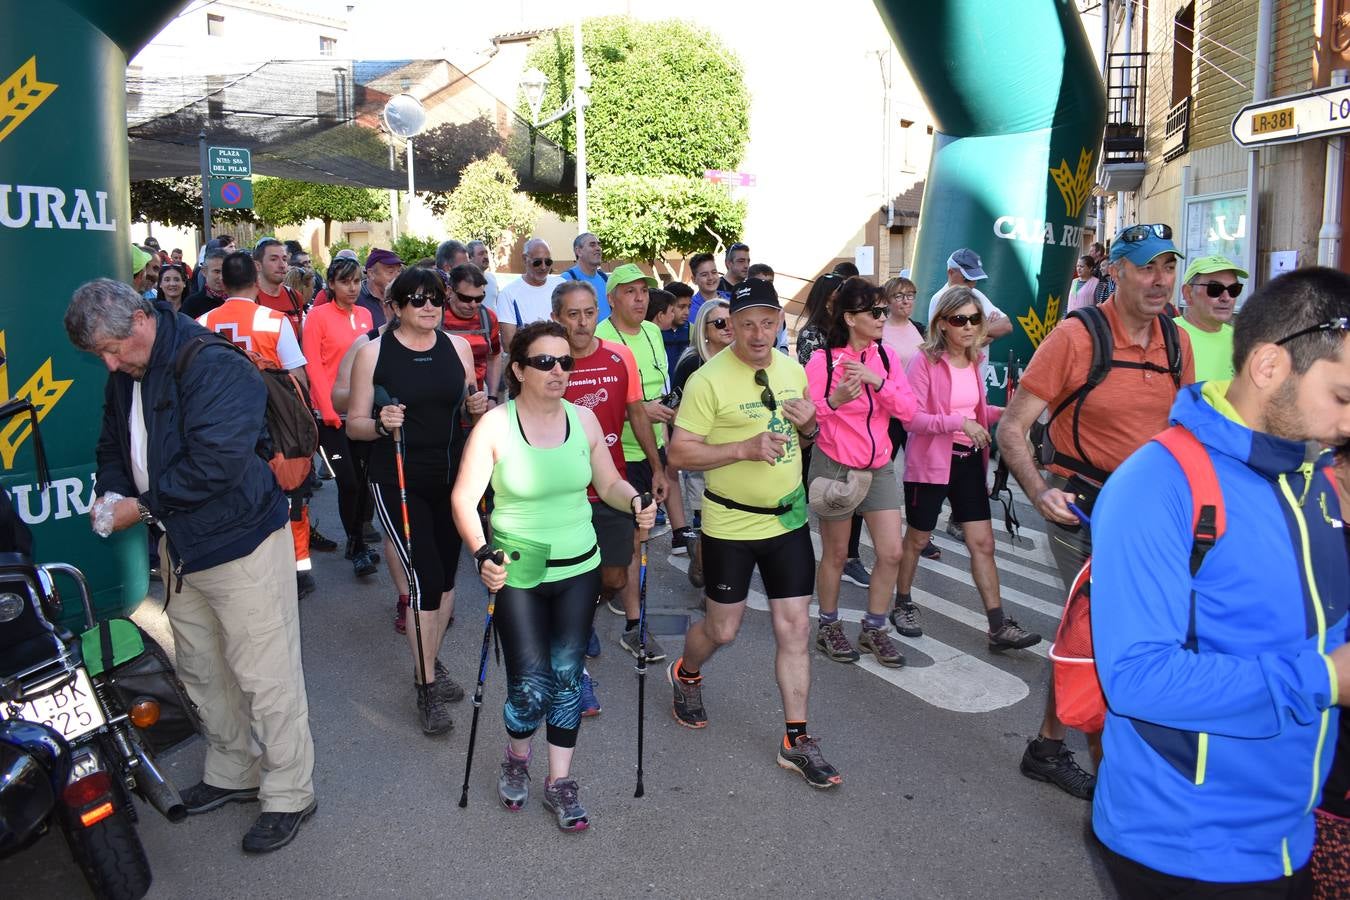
{"points": [[1216, 289], [1341, 324], [471, 298], [545, 362], [545, 262], [1136, 233], [719, 324], [420, 299], [767, 398], [962, 321]]}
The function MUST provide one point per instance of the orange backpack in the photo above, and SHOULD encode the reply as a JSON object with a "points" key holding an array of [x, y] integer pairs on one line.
{"points": [[1079, 700]]}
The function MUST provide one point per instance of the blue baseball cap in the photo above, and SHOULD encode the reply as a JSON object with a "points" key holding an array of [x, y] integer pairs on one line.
{"points": [[1141, 244]]}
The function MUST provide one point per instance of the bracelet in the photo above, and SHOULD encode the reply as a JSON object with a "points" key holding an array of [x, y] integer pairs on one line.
{"points": [[482, 555], [143, 511], [813, 435], [635, 509], [381, 430]]}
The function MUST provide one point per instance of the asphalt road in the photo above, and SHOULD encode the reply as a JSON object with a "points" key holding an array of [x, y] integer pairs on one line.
{"points": [[932, 805]]}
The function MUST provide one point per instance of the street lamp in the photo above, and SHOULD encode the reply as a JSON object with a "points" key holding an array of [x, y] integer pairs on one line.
{"points": [[405, 117], [534, 82]]}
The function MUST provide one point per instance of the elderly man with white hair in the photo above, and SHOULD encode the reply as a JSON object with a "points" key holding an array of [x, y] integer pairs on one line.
{"points": [[530, 297]]}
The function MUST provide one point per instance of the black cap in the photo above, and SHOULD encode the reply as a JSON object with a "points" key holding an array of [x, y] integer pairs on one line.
{"points": [[753, 292]]}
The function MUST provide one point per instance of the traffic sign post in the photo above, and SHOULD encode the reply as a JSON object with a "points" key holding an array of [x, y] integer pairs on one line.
{"points": [[229, 162], [231, 193], [1296, 117]]}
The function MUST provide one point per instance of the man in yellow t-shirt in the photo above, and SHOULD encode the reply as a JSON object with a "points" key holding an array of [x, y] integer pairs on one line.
{"points": [[742, 420], [1210, 290]]}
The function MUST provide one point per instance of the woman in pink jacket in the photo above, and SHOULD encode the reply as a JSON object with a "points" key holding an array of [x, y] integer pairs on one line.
{"points": [[858, 386], [947, 458]]}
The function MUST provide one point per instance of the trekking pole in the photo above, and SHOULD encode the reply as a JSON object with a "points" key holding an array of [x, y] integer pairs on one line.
{"points": [[646, 500], [498, 558], [399, 450]]}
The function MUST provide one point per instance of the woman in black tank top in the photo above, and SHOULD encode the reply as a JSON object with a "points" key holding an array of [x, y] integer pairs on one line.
{"points": [[427, 373]]}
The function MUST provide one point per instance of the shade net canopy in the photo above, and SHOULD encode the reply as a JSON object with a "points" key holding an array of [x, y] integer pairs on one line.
{"points": [[320, 120]]}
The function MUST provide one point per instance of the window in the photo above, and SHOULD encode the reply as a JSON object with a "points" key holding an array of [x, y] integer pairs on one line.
{"points": [[1183, 52], [327, 45], [215, 25]]}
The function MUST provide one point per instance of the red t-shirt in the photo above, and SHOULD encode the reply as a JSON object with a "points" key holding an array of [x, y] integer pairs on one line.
{"points": [[605, 383], [472, 331], [282, 303]]}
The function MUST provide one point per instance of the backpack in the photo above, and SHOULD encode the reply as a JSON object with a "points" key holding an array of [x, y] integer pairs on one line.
{"points": [[1103, 361], [1079, 700], [294, 434]]}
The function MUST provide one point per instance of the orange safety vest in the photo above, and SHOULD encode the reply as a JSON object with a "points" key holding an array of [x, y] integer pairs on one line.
{"points": [[252, 328]]}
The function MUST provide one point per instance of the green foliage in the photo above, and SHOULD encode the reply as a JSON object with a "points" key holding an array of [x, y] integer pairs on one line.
{"points": [[643, 216], [410, 248], [361, 252], [177, 202], [486, 205], [281, 201]]}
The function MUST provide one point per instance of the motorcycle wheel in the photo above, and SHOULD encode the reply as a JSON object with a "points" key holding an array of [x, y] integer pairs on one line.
{"points": [[110, 855]]}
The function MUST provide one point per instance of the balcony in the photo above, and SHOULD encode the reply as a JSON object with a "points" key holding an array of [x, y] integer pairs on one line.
{"points": [[1177, 130], [1123, 140]]}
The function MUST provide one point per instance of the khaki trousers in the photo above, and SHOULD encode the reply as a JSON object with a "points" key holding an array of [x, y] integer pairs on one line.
{"points": [[236, 629]]}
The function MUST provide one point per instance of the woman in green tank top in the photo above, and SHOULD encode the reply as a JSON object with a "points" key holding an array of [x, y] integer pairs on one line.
{"points": [[539, 453]]}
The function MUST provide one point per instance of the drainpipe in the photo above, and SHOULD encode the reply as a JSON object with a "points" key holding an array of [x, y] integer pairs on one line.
{"points": [[1106, 64], [1329, 238], [1265, 29], [1131, 103]]}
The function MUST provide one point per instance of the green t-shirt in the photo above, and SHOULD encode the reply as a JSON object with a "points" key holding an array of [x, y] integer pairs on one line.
{"points": [[722, 403], [649, 351], [1213, 351]]}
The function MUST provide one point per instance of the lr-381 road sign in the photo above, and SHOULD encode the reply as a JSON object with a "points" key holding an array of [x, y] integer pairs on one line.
{"points": [[1297, 117]]}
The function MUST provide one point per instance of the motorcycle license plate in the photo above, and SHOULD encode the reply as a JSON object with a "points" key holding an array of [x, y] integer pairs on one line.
{"points": [[73, 710]]}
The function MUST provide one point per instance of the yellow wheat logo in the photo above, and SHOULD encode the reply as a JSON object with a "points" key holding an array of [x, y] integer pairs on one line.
{"points": [[20, 94], [1074, 187], [1036, 327], [43, 389]]}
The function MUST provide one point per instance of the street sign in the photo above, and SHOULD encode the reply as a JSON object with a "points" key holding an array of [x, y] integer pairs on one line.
{"points": [[229, 162], [231, 193], [737, 179], [1296, 117]]}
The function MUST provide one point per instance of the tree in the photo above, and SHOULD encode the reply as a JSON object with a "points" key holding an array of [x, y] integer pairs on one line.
{"points": [[449, 148], [177, 202], [644, 216], [486, 205], [281, 201]]}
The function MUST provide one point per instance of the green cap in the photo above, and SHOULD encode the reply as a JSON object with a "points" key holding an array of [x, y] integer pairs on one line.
{"points": [[1205, 265], [138, 259], [627, 274]]}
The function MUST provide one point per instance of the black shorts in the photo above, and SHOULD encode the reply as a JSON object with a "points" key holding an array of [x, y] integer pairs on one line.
{"points": [[614, 533], [965, 488], [787, 564], [640, 472]]}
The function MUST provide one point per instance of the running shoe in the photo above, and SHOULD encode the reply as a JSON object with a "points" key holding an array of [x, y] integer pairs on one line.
{"points": [[1060, 770], [688, 705], [831, 640], [805, 758], [593, 645], [877, 641], [560, 798], [446, 686], [931, 551], [905, 618], [856, 573], [513, 785], [590, 704], [682, 540], [401, 616], [616, 606], [629, 641], [1012, 637], [696, 561], [304, 585], [365, 563], [320, 543], [431, 711], [954, 529]]}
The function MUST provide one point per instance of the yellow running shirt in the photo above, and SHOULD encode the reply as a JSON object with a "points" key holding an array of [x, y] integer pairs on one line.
{"points": [[723, 404]]}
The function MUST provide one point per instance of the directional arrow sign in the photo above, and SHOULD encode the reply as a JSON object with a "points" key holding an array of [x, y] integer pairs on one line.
{"points": [[1296, 117]]}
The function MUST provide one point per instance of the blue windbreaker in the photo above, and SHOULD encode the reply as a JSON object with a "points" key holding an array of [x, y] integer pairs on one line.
{"points": [[1215, 758]]}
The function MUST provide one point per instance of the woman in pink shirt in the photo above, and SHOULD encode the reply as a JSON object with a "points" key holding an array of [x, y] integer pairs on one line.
{"points": [[947, 458], [857, 386], [1084, 288]]}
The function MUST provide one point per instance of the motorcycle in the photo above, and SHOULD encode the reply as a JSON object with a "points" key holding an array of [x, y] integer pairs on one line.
{"points": [[81, 718]]}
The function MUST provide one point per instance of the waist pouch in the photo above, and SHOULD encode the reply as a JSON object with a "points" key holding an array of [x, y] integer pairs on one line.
{"points": [[791, 510], [130, 662], [528, 561]]}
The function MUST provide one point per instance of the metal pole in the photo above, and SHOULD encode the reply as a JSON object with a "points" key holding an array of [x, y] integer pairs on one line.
{"points": [[393, 198], [206, 187], [410, 172], [1329, 237], [1265, 27], [579, 100]]}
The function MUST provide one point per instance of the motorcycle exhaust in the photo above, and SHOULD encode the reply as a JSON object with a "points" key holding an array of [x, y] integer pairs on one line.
{"points": [[162, 795]]}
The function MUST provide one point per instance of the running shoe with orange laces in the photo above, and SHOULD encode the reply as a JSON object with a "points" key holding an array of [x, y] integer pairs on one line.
{"points": [[805, 758]]}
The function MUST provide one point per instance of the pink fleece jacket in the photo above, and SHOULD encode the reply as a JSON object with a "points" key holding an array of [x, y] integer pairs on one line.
{"points": [[855, 434], [928, 453]]}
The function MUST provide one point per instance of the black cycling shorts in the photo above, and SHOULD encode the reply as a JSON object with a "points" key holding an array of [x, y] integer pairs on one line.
{"points": [[787, 565], [614, 533], [965, 489]]}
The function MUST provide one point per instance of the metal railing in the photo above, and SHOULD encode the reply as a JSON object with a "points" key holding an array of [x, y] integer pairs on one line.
{"points": [[1177, 129], [1126, 75]]}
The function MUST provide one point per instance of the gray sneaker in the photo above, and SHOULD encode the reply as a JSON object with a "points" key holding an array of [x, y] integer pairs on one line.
{"points": [[1012, 637], [629, 641], [513, 785], [905, 618], [688, 699], [560, 797], [877, 641], [955, 530], [831, 640], [444, 686], [856, 572]]}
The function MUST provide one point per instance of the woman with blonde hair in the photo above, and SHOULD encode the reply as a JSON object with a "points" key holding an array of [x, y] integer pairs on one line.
{"points": [[947, 458], [302, 282]]}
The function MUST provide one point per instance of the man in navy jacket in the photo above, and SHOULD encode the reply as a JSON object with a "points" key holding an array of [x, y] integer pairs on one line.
{"points": [[183, 452]]}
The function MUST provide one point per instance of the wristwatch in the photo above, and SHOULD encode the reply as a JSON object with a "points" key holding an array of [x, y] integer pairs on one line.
{"points": [[143, 511], [813, 435]]}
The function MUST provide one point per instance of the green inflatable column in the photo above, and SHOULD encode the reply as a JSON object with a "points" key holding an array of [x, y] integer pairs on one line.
{"points": [[1019, 106], [64, 219]]}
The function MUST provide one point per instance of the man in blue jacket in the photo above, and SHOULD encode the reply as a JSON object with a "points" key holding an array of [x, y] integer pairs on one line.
{"points": [[183, 453], [1222, 689]]}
